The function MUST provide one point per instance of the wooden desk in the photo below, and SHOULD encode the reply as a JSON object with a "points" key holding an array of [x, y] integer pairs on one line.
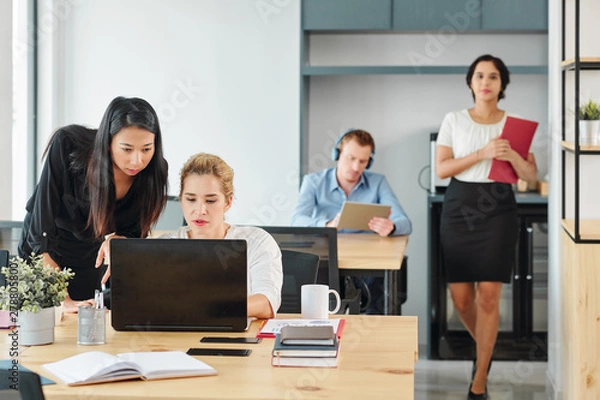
{"points": [[377, 361], [370, 254]]}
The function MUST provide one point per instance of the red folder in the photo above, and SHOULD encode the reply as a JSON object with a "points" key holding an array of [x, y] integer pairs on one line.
{"points": [[270, 335], [519, 133]]}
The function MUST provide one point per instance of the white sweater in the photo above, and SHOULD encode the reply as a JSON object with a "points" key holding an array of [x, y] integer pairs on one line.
{"points": [[265, 275]]}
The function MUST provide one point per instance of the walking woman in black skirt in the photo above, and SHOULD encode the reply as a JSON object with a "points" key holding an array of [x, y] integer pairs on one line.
{"points": [[479, 218]]}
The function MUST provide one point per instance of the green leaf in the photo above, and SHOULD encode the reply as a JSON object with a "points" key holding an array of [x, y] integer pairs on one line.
{"points": [[589, 111], [37, 285]]}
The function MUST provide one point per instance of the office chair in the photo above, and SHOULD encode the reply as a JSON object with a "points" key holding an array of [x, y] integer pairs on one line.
{"points": [[298, 269], [323, 242], [403, 284], [29, 385], [401, 290]]}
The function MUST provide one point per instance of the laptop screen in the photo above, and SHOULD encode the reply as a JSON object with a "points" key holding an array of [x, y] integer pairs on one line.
{"points": [[178, 284]]}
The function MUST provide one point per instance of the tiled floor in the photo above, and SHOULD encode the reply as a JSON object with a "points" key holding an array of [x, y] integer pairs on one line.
{"points": [[449, 380]]}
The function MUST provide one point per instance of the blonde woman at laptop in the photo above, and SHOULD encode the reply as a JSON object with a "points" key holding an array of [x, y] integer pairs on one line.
{"points": [[206, 195]]}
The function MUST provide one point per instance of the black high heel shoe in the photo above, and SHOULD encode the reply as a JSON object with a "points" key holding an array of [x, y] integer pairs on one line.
{"points": [[481, 396]]}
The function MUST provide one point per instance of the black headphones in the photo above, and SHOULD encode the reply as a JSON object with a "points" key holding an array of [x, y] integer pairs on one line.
{"points": [[335, 152]]}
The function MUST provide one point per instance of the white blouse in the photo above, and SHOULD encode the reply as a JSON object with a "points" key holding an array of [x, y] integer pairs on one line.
{"points": [[465, 136], [265, 273]]}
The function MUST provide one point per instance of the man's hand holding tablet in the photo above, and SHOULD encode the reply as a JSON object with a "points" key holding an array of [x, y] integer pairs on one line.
{"points": [[365, 216]]}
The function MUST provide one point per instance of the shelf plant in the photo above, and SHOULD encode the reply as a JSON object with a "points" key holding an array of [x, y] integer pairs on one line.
{"points": [[589, 123], [589, 111]]}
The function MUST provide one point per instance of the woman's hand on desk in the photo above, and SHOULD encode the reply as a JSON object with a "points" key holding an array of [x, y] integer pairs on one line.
{"points": [[382, 226], [72, 306], [69, 305], [104, 254], [49, 261]]}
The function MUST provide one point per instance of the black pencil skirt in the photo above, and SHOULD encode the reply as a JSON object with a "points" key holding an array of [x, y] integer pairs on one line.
{"points": [[478, 231]]}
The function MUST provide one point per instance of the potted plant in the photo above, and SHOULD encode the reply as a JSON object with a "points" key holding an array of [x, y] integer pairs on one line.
{"points": [[32, 291], [589, 123]]}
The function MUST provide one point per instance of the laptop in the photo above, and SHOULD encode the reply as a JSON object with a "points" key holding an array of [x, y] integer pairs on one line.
{"points": [[178, 285]]}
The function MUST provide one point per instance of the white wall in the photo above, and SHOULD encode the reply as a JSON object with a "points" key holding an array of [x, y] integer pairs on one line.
{"points": [[554, 372], [24, 115], [6, 108], [401, 110], [222, 75]]}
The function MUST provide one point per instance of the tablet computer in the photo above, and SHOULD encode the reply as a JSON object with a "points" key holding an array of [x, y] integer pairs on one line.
{"points": [[357, 215]]}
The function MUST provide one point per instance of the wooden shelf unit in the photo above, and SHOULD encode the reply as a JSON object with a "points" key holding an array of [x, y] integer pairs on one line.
{"points": [[584, 63], [580, 238], [589, 229], [583, 149], [578, 227], [580, 279]]}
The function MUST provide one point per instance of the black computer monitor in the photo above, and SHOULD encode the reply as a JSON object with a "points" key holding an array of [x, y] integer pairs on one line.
{"points": [[317, 240]]}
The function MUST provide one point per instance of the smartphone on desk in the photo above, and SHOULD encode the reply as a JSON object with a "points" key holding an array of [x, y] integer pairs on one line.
{"points": [[218, 339], [194, 351]]}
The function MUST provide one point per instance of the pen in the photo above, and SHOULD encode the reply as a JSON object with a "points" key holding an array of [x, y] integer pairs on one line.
{"points": [[98, 300]]}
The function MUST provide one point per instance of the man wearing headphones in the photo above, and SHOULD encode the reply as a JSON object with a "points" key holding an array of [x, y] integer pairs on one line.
{"points": [[323, 193]]}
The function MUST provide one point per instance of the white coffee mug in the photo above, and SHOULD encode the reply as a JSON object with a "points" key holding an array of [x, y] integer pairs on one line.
{"points": [[315, 301]]}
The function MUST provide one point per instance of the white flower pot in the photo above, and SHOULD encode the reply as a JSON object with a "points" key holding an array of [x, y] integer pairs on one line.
{"points": [[589, 132], [36, 328], [58, 315]]}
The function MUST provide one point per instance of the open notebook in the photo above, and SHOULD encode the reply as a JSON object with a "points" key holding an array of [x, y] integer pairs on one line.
{"points": [[98, 367]]}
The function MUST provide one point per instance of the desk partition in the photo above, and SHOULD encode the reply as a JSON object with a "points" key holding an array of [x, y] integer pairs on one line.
{"points": [[317, 240]]}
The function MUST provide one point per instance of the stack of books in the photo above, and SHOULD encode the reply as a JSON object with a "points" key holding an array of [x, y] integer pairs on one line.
{"points": [[306, 346], [272, 327]]}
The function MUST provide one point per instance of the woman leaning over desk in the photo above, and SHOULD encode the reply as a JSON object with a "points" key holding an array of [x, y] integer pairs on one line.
{"points": [[95, 185], [479, 216], [206, 195]]}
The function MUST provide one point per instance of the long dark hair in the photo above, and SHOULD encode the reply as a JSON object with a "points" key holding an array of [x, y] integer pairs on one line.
{"points": [[81, 144], [500, 66], [150, 184]]}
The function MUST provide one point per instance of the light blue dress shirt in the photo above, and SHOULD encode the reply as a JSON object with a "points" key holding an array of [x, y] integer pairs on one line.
{"points": [[321, 199]]}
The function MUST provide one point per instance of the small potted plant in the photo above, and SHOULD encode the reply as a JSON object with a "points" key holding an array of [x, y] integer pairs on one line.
{"points": [[589, 123], [32, 291]]}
